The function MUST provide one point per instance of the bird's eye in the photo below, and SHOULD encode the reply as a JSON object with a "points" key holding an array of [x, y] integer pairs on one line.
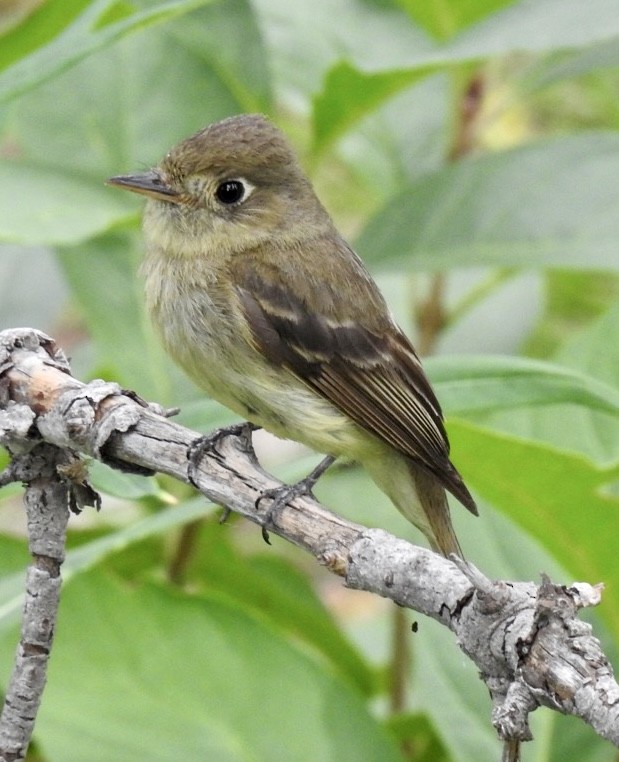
{"points": [[231, 192]]}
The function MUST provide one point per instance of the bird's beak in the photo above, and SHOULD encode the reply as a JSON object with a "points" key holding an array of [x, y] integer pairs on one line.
{"points": [[147, 184]]}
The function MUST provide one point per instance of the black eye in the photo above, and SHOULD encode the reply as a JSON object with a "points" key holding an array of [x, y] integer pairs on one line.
{"points": [[230, 192]]}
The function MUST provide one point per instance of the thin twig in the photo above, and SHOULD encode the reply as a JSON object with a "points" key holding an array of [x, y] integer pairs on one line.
{"points": [[47, 500]]}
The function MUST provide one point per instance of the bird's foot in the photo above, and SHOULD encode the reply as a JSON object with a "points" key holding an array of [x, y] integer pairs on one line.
{"points": [[208, 444], [281, 496]]}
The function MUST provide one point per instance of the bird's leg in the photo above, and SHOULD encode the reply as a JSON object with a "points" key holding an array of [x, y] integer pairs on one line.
{"points": [[287, 492], [208, 444]]}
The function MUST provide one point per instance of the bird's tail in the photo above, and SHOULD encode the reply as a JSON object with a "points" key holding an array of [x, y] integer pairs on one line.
{"points": [[418, 495], [433, 500]]}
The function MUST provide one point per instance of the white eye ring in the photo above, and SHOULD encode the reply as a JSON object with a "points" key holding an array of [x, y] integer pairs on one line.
{"points": [[233, 191]]}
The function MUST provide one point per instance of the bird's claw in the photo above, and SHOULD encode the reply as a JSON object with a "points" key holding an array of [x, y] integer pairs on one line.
{"points": [[208, 444], [285, 493]]}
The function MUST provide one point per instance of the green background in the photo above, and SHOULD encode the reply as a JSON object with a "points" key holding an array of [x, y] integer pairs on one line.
{"points": [[182, 639]]}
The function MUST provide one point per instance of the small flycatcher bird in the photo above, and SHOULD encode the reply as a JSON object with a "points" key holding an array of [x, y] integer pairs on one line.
{"points": [[262, 302]]}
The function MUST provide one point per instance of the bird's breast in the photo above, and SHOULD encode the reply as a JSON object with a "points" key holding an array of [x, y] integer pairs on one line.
{"points": [[192, 310]]}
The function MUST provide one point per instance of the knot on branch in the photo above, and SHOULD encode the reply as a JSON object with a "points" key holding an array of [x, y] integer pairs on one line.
{"points": [[81, 418], [558, 664], [17, 430], [568, 683]]}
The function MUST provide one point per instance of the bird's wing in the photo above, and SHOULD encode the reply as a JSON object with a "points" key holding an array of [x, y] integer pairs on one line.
{"points": [[375, 377]]}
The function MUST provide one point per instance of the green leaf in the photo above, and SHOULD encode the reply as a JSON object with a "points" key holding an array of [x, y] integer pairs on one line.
{"points": [[164, 675], [38, 28], [90, 554], [566, 739], [448, 687], [204, 414], [295, 606], [117, 483], [446, 18], [348, 94], [102, 275], [561, 498], [538, 27], [86, 556], [308, 38], [472, 384], [573, 63], [61, 208], [273, 588], [62, 44], [268, 585], [417, 731], [573, 298], [375, 37], [227, 36], [32, 289], [594, 351], [115, 12], [516, 208]]}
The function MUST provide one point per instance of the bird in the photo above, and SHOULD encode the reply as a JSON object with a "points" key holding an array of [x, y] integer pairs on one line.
{"points": [[256, 295]]}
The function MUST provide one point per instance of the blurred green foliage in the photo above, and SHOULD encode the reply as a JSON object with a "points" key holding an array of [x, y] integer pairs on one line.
{"points": [[471, 151]]}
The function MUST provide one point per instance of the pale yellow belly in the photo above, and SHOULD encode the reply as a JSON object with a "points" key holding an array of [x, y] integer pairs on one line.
{"points": [[236, 375], [283, 405]]}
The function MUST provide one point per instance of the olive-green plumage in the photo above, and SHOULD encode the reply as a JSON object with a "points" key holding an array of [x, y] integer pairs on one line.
{"points": [[260, 300]]}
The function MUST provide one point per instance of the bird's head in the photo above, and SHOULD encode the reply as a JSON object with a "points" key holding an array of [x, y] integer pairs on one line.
{"points": [[231, 185]]}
